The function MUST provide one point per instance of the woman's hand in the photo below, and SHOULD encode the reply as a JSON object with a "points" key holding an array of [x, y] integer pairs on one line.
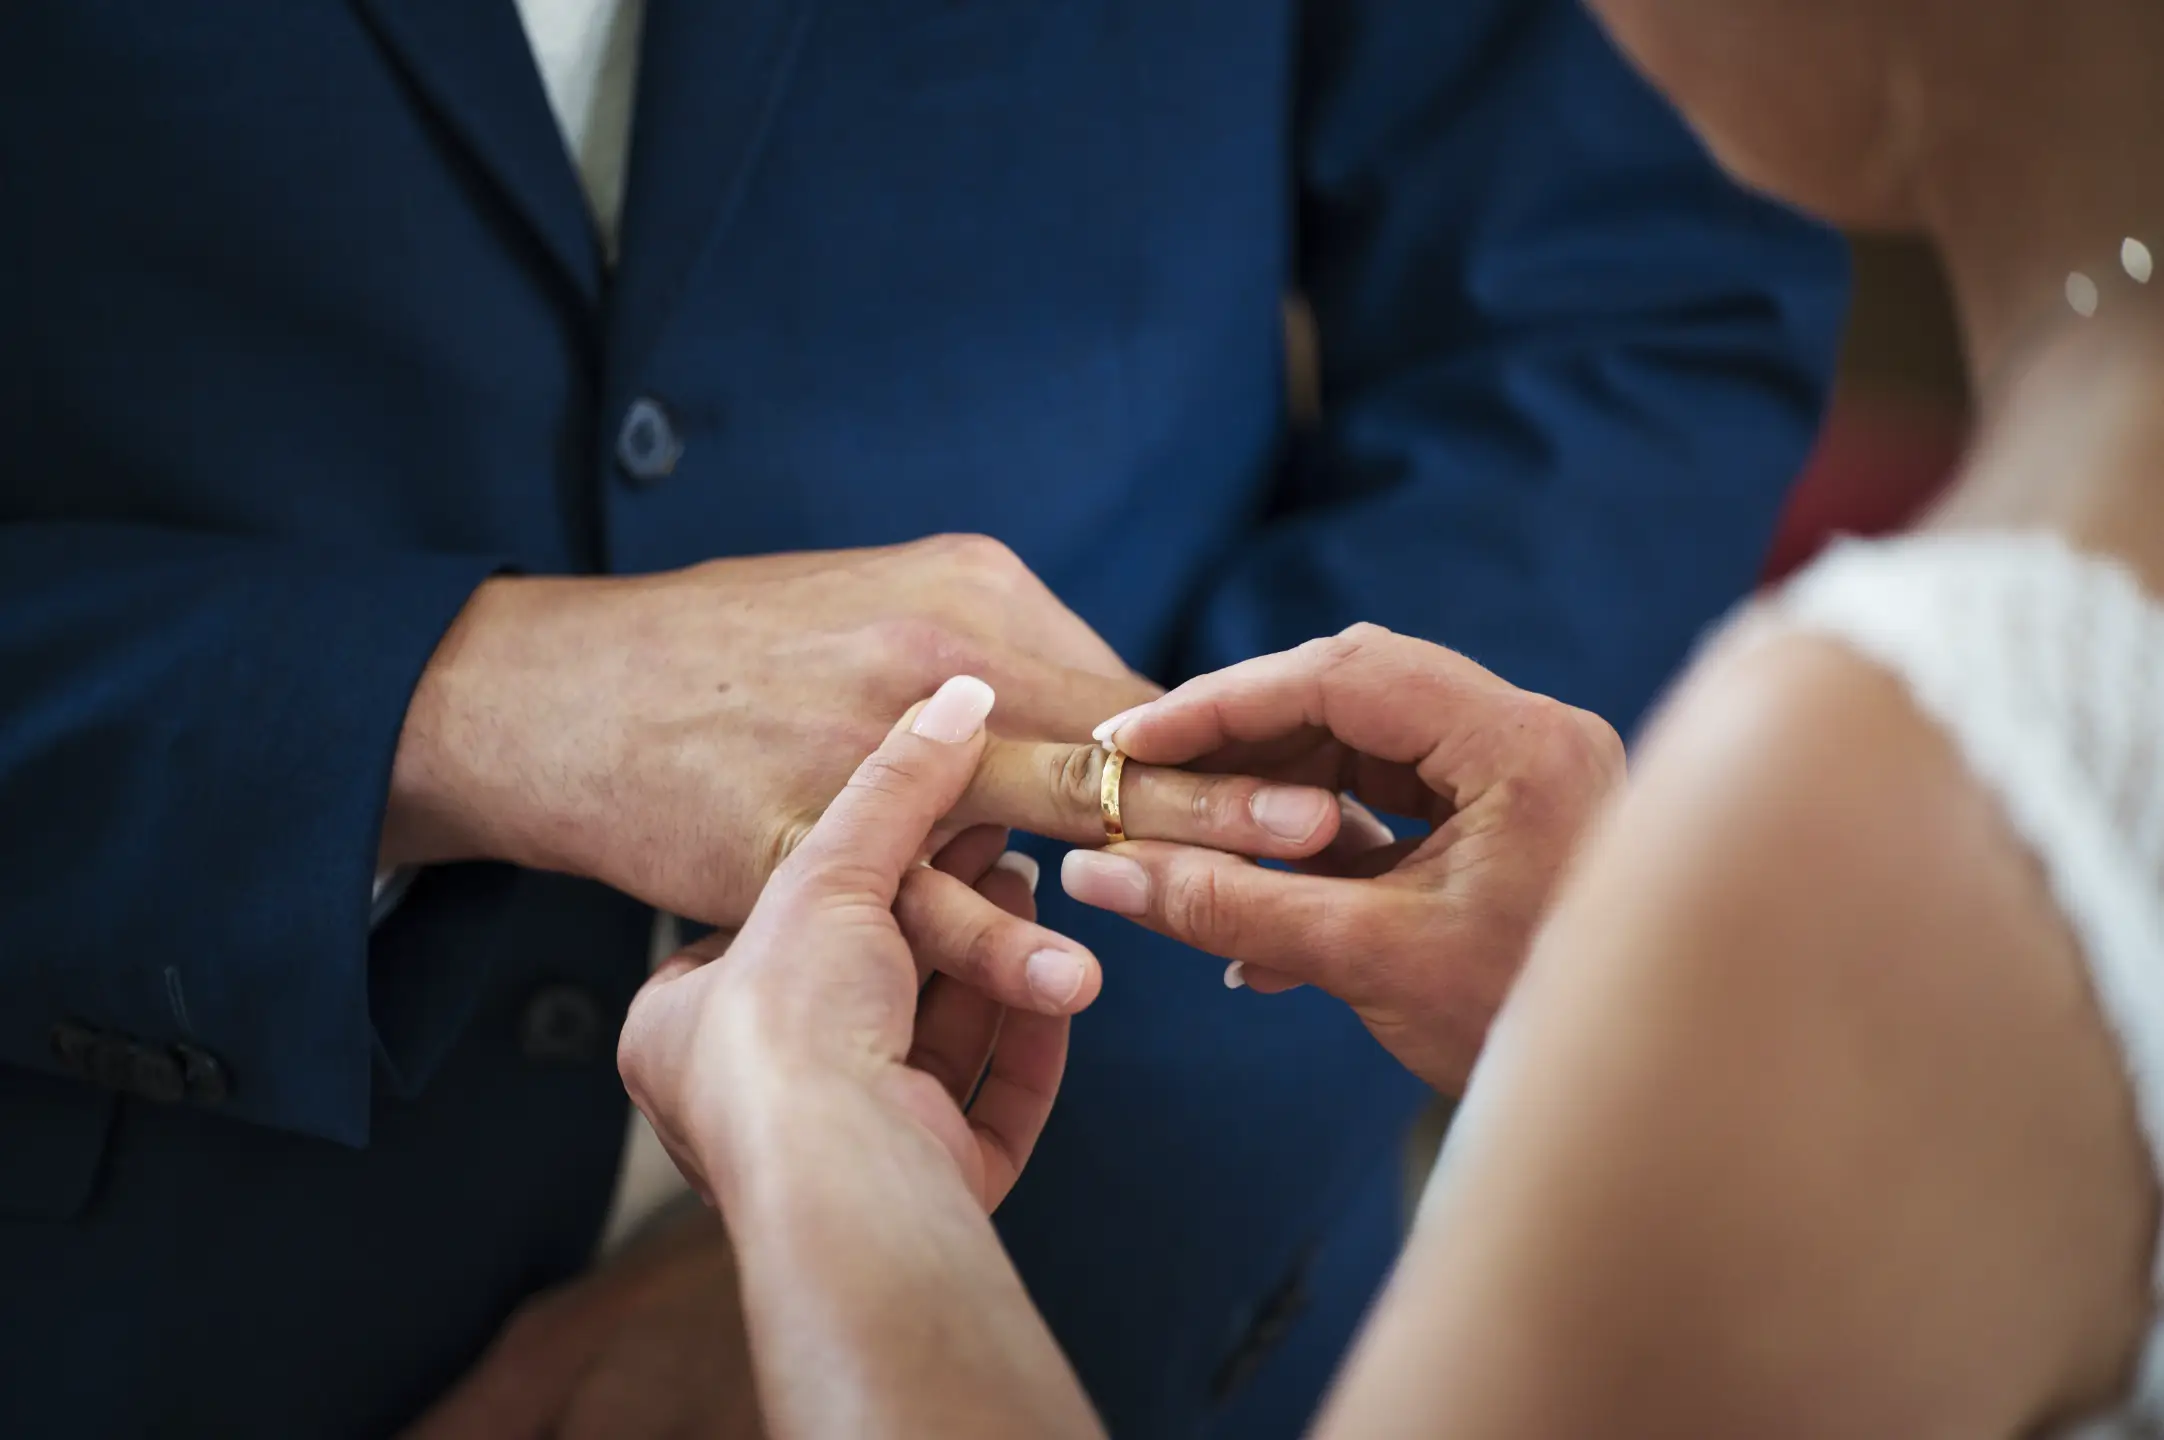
{"points": [[821, 1005], [1422, 937]]}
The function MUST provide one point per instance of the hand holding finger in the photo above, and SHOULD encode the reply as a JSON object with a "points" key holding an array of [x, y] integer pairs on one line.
{"points": [[880, 823], [1056, 790], [1391, 697]]}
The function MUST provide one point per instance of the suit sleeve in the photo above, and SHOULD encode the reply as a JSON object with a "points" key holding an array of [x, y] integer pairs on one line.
{"points": [[195, 751], [1568, 370]]}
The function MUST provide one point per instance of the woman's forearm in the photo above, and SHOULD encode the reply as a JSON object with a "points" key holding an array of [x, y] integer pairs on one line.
{"points": [[879, 1300]]}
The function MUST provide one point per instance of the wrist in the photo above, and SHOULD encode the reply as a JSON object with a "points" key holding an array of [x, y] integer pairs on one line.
{"points": [[779, 1127], [760, 1137], [463, 736]]}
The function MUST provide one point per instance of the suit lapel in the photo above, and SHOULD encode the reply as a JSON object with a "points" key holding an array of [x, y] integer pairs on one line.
{"points": [[471, 61], [712, 73]]}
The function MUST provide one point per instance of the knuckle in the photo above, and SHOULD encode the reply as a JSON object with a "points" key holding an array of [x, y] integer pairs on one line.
{"points": [[1608, 755], [920, 646], [1366, 632], [1354, 645], [1556, 775], [1577, 755], [1076, 778], [1338, 651], [979, 556], [1221, 807], [981, 951], [1320, 648], [1198, 905]]}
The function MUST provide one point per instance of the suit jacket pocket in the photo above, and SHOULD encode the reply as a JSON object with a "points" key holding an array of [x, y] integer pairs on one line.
{"points": [[52, 1137]]}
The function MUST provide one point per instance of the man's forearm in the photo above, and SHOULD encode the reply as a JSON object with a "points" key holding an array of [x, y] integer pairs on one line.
{"points": [[879, 1300]]}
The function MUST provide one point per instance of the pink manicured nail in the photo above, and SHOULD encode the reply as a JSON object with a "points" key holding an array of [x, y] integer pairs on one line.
{"points": [[1017, 863], [1291, 813], [1056, 976], [1236, 976], [1103, 734], [1109, 882], [956, 713], [1360, 827]]}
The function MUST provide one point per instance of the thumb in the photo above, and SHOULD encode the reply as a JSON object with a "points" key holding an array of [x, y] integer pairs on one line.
{"points": [[880, 823]]}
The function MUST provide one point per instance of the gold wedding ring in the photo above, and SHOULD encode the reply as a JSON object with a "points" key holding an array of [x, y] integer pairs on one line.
{"points": [[1108, 795]]}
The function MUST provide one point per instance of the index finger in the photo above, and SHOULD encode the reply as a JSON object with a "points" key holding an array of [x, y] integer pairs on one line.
{"points": [[884, 816], [1389, 696]]}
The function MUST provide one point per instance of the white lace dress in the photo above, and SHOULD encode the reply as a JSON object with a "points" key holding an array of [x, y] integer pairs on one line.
{"points": [[2046, 669]]}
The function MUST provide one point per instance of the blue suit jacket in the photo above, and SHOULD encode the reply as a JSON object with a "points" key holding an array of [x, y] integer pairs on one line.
{"points": [[304, 330]]}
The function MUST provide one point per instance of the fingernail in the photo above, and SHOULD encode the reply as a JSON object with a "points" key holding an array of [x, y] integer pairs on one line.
{"points": [[1236, 976], [1109, 882], [1288, 813], [1103, 734], [956, 713], [1020, 864], [1362, 824], [1056, 975]]}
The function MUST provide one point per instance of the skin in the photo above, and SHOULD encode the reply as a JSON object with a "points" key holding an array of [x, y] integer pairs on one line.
{"points": [[653, 1343], [677, 735], [808, 1091], [1856, 1159], [601, 1358], [1863, 1162], [810, 1026], [1507, 781], [1803, 1119]]}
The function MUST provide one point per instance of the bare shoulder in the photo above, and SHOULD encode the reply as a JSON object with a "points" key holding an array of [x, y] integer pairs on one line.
{"points": [[1795, 764], [1805, 1073]]}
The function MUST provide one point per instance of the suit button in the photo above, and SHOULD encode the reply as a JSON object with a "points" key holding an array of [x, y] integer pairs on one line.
{"points": [[561, 1026], [648, 446], [155, 1075], [203, 1076], [73, 1046]]}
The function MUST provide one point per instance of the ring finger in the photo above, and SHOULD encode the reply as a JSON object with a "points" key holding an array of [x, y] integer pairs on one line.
{"points": [[1056, 790]]}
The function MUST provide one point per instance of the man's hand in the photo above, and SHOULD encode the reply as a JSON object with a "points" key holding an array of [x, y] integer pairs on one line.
{"points": [[650, 1346], [1421, 937], [677, 735]]}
